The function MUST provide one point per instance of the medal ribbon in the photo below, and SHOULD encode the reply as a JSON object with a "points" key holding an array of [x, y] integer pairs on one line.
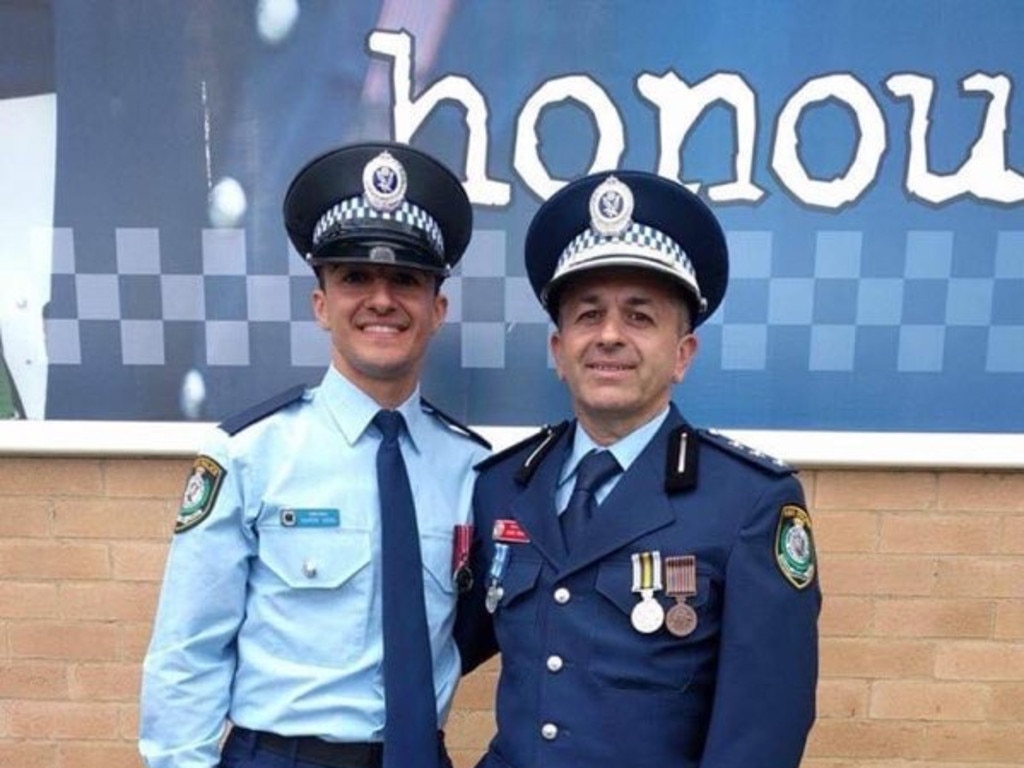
{"points": [[460, 552], [681, 575], [646, 572], [499, 562]]}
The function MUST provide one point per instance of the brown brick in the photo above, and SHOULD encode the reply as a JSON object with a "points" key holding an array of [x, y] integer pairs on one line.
{"points": [[877, 658], [975, 660], [32, 680], [104, 754], [134, 639], [992, 491], [26, 600], [839, 531], [29, 754], [111, 600], [990, 576], [865, 739], [46, 560], [1009, 620], [146, 478], [69, 640], [941, 534], [50, 476], [128, 721], [843, 616], [1008, 702], [924, 700], [842, 698], [1013, 536], [24, 517], [476, 691], [875, 490], [97, 517], [469, 730], [139, 560], [878, 575], [61, 720], [104, 682], [996, 742], [934, 618]]}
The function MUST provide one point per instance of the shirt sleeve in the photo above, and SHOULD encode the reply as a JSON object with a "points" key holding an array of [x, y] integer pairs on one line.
{"points": [[764, 703], [187, 672]]}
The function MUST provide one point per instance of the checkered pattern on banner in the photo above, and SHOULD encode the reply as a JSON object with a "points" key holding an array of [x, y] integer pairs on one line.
{"points": [[926, 314]]}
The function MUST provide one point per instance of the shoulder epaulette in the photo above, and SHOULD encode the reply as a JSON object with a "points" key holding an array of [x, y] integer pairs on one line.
{"points": [[540, 442], [750, 455], [681, 460], [235, 424], [452, 424]]}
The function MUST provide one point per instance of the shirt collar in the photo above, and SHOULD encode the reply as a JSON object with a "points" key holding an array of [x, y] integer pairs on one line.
{"points": [[353, 410], [625, 450]]}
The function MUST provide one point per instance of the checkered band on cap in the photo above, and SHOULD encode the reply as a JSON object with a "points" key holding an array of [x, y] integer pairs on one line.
{"points": [[638, 245], [358, 209]]}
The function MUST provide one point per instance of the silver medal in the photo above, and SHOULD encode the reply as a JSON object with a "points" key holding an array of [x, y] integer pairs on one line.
{"points": [[494, 594], [647, 615]]}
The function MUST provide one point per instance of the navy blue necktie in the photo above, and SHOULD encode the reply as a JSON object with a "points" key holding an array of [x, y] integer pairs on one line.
{"points": [[595, 469], [410, 732]]}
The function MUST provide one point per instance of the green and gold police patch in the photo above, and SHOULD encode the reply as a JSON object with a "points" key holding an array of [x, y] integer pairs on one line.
{"points": [[200, 493], [794, 546]]}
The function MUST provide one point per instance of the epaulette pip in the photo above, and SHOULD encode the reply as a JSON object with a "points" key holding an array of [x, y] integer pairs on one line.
{"points": [[539, 442], [235, 424], [750, 455], [452, 424]]}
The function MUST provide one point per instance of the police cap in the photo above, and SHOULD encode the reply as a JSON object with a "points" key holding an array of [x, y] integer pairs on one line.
{"points": [[378, 202], [628, 219]]}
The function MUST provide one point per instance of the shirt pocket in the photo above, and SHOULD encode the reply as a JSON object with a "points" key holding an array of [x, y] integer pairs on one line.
{"points": [[314, 558], [623, 657], [313, 597]]}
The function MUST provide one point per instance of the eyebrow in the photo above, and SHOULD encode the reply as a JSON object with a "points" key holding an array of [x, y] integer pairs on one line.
{"points": [[631, 301]]}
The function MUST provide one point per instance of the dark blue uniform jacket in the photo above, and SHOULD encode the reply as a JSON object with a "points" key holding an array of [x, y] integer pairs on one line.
{"points": [[581, 687]]}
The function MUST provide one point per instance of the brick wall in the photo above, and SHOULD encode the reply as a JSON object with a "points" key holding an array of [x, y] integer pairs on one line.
{"points": [[922, 632]]}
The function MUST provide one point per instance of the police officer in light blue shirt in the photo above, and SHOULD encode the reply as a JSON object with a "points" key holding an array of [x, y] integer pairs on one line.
{"points": [[272, 613]]}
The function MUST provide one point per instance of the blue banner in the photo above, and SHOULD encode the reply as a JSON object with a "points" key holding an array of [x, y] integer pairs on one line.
{"points": [[865, 158]]}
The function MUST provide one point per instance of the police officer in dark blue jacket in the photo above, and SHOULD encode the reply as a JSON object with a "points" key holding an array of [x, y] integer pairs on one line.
{"points": [[651, 586]]}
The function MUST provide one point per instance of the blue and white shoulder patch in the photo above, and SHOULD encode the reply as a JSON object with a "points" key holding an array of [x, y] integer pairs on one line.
{"points": [[750, 455], [455, 426], [235, 424]]}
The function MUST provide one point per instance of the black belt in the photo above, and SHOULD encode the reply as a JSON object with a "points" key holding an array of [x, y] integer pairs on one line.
{"points": [[310, 749]]}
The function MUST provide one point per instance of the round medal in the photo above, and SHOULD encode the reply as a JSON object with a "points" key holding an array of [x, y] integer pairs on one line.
{"points": [[647, 616], [494, 593], [681, 619], [463, 579]]}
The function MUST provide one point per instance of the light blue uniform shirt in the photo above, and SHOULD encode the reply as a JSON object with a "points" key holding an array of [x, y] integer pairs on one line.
{"points": [[625, 452], [277, 626]]}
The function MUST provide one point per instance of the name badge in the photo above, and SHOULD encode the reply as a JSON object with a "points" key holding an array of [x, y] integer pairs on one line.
{"points": [[509, 531], [294, 517]]}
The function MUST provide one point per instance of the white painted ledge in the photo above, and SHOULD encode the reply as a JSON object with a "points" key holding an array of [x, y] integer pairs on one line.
{"points": [[805, 449]]}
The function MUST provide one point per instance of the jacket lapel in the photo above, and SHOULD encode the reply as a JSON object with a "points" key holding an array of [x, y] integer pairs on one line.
{"points": [[535, 507]]}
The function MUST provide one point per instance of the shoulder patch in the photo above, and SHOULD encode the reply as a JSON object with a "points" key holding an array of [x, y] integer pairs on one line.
{"points": [[794, 546], [452, 424], [753, 456], [235, 424], [201, 491], [539, 442]]}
